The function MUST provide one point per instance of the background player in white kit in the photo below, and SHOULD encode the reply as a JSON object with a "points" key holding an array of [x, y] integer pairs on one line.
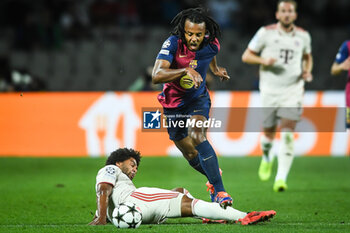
{"points": [[283, 52], [114, 186]]}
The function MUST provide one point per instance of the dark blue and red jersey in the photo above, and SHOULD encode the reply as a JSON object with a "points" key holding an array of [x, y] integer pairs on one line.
{"points": [[343, 54], [179, 56]]}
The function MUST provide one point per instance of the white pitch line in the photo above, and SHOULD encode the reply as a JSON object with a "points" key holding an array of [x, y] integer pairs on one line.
{"points": [[44, 225], [281, 224]]}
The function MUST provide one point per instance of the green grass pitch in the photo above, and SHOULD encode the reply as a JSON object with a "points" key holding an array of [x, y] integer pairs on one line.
{"points": [[57, 194]]}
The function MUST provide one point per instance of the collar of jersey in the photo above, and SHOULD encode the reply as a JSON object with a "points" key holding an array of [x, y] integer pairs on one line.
{"points": [[283, 32]]}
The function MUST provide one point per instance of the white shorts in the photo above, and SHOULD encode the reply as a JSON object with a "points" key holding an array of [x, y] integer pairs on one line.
{"points": [[287, 105], [156, 204]]}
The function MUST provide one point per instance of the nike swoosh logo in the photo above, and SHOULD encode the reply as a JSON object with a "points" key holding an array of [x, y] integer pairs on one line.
{"points": [[182, 55], [205, 159], [197, 110]]}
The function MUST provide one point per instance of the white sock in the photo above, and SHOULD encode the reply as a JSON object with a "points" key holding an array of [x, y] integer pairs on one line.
{"points": [[285, 155], [188, 194], [213, 211], [266, 145], [274, 150]]}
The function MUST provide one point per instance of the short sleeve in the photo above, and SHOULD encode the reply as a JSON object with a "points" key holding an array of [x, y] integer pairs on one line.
{"points": [[307, 44], [108, 174], [343, 53], [215, 45], [168, 50], [257, 43]]}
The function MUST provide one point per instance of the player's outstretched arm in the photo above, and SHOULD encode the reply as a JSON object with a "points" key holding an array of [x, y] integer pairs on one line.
{"points": [[338, 68], [103, 192], [307, 67], [162, 73], [250, 57], [218, 71]]}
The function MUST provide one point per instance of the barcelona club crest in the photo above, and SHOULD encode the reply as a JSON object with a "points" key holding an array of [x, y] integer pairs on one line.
{"points": [[193, 64]]}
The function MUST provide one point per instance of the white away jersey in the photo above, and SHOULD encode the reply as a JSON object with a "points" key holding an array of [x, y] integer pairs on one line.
{"points": [[288, 49], [122, 185]]}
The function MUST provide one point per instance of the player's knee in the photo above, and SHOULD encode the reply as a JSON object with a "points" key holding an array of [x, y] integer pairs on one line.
{"points": [[287, 137], [180, 190], [197, 137], [186, 207], [190, 155], [270, 132], [270, 135]]}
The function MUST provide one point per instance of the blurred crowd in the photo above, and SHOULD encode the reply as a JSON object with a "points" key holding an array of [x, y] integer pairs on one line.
{"points": [[48, 22]]}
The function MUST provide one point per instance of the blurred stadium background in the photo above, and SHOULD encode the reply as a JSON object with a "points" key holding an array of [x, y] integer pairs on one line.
{"points": [[104, 51], [76, 63], [107, 45]]}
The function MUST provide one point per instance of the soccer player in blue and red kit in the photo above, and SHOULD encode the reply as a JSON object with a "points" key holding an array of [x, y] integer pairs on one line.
{"points": [[191, 50], [342, 63]]}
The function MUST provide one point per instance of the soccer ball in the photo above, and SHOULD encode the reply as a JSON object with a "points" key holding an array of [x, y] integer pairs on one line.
{"points": [[186, 82], [127, 215]]}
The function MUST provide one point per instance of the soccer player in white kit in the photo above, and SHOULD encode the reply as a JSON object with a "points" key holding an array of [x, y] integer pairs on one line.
{"points": [[283, 52], [114, 186]]}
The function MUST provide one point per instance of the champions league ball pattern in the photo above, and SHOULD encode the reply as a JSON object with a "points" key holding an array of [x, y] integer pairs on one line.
{"points": [[127, 215]]}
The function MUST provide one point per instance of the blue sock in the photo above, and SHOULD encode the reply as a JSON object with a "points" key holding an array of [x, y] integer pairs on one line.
{"points": [[210, 165], [196, 164]]}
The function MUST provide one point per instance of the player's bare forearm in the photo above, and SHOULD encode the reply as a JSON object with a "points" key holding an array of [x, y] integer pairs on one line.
{"points": [[218, 71], [163, 74], [252, 58], [213, 65], [308, 63], [307, 67], [98, 221], [338, 68], [103, 193]]}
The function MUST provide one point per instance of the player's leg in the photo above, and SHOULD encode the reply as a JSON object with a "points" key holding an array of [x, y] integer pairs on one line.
{"points": [[347, 103], [179, 135], [266, 140], [190, 153], [156, 204], [266, 143], [208, 160], [187, 193], [211, 210], [198, 208], [347, 119], [285, 154], [183, 191]]}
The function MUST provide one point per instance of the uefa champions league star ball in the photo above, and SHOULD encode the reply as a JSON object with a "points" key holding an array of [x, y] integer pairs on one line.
{"points": [[186, 82], [127, 215]]}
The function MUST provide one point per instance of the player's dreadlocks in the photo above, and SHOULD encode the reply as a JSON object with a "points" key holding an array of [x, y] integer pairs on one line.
{"points": [[123, 154], [195, 15]]}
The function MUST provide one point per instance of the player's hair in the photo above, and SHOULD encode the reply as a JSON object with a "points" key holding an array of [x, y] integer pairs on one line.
{"points": [[289, 1], [195, 15], [123, 154]]}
